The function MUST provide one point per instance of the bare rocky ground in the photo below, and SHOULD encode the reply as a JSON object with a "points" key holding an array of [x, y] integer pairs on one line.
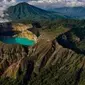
{"points": [[22, 62]]}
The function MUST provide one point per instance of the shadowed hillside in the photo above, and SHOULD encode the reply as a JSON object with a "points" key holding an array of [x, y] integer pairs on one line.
{"points": [[48, 62], [25, 11], [71, 12]]}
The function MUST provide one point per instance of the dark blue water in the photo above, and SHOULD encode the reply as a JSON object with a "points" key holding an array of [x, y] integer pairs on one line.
{"points": [[22, 41]]}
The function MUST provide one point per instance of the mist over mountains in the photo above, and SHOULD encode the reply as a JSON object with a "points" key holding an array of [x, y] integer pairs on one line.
{"points": [[72, 12], [42, 42], [57, 3], [25, 11], [51, 5]]}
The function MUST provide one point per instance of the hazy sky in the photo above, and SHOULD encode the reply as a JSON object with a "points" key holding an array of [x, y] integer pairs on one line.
{"points": [[42, 3], [57, 3]]}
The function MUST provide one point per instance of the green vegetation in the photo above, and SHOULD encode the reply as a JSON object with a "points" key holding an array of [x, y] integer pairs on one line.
{"points": [[24, 11], [69, 68]]}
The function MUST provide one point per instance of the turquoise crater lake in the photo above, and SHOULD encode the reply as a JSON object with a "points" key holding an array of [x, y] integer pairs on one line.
{"points": [[17, 40]]}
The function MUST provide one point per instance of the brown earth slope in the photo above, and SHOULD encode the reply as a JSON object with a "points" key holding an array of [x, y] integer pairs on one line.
{"points": [[21, 63]]}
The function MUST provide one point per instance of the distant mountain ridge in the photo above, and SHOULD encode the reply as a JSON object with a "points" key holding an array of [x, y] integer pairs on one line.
{"points": [[72, 12], [25, 11]]}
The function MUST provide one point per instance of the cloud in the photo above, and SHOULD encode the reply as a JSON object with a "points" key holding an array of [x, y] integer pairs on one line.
{"points": [[41, 3], [57, 3], [3, 5]]}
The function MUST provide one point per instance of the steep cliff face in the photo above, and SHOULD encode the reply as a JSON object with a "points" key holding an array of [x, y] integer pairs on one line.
{"points": [[47, 58], [48, 62], [61, 66]]}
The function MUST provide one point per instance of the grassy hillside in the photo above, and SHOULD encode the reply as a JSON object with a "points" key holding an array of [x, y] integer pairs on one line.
{"points": [[50, 61], [24, 11], [72, 12]]}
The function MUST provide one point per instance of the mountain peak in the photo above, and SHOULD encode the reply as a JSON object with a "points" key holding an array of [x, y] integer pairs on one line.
{"points": [[23, 3], [25, 11]]}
